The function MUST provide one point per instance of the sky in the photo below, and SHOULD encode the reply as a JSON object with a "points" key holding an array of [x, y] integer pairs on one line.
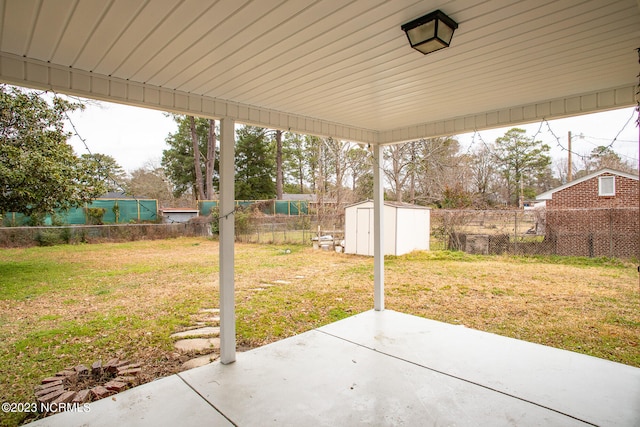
{"points": [[131, 135], [135, 136]]}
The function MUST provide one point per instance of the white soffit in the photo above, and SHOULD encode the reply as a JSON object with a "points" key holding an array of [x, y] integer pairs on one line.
{"points": [[331, 67]]}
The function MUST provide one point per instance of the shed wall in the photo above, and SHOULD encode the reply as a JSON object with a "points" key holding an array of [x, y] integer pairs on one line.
{"points": [[413, 230], [405, 229]]}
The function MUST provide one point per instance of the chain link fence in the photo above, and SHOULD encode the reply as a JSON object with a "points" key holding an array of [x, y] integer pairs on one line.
{"points": [[58, 235], [282, 229], [611, 233], [570, 232]]}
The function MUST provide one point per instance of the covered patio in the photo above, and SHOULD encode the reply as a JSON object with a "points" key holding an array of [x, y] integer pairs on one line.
{"points": [[383, 368], [344, 69]]}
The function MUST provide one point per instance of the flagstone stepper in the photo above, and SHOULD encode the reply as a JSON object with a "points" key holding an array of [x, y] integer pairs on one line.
{"points": [[207, 330], [197, 344]]}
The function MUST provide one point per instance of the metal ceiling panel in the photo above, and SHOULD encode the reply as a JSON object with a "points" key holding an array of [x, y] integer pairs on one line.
{"points": [[330, 65]]}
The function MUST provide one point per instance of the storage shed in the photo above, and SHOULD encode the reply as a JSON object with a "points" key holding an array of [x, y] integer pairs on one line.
{"points": [[406, 228]]}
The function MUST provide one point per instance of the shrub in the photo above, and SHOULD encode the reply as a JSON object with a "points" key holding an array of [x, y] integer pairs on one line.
{"points": [[37, 219], [48, 238], [242, 221], [95, 215], [116, 211]]}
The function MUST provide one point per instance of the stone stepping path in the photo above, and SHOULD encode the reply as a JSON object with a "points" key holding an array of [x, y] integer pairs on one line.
{"points": [[206, 318], [200, 338], [206, 331], [200, 361], [197, 344], [266, 285]]}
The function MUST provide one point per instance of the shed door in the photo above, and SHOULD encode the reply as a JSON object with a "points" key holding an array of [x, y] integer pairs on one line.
{"points": [[364, 239]]}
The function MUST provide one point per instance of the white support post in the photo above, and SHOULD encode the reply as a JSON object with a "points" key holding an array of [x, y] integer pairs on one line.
{"points": [[227, 242], [378, 229]]}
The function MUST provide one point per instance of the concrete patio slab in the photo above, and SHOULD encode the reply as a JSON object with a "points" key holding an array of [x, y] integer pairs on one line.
{"points": [[588, 388], [384, 368], [315, 379]]}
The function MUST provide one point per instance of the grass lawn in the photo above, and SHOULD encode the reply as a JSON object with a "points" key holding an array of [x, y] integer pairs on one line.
{"points": [[68, 305]]}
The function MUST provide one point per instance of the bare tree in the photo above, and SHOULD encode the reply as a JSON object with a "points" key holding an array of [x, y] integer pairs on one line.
{"points": [[483, 173], [561, 166], [150, 181], [437, 167], [398, 167], [339, 165]]}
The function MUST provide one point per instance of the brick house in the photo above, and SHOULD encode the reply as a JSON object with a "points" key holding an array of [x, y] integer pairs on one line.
{"points": [[596, 215]]}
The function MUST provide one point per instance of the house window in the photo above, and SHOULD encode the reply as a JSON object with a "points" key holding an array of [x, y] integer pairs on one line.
{"points": [[607, 186]]}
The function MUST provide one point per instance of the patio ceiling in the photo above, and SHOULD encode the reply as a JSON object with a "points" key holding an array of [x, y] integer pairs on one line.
{"points": [[331, 67]]}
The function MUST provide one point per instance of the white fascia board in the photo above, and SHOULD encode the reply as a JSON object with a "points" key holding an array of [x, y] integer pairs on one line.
{"points": [[592, 102], [36, 74]]}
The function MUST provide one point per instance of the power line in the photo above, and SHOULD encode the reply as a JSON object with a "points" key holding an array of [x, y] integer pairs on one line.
{"points": [[477, 136], [607, 139]]}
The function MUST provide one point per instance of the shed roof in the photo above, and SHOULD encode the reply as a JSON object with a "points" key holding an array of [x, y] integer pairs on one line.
{"points": [[390, 203], [179, 210], [547, 195]]}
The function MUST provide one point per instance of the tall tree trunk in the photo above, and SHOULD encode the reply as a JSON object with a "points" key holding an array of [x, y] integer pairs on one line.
{"points": [[279, 171], [196, 158], [320, 185], [397, 169], [301, 172], [338, 182], [211, 158]]}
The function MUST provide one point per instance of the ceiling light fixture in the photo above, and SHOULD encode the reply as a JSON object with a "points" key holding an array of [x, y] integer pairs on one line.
{"points": [[430, 32]]}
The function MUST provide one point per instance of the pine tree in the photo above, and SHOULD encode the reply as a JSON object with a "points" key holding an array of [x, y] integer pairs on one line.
{"points": [[255, 165]]}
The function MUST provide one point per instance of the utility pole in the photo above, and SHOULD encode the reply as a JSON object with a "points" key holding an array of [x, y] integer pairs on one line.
{"points": [[569, 172]]}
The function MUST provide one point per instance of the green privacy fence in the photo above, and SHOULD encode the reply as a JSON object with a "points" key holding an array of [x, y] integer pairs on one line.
{"points": [[116, 211], [269, 207]]}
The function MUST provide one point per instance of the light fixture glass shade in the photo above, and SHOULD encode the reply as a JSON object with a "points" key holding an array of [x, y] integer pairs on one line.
{"points": [[430, 32], [445, 33], [421, 33], [429, 46]]}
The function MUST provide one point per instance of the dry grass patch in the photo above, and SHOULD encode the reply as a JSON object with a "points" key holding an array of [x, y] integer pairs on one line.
{"points": [[589, 307], [60, 306]]}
